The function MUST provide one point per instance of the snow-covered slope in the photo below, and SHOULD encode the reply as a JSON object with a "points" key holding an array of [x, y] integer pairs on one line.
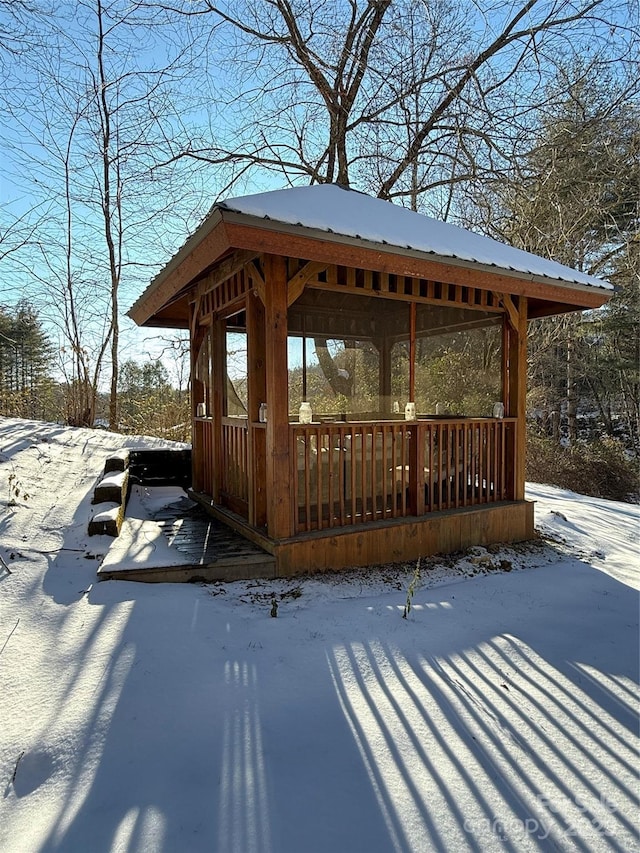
{"points": [[501, 714]]}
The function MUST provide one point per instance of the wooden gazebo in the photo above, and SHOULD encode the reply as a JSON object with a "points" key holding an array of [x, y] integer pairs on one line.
{"points": [[386, 474]]}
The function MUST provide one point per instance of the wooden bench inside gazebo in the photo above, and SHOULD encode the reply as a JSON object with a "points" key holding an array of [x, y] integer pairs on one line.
{"points": [[358, 375]]}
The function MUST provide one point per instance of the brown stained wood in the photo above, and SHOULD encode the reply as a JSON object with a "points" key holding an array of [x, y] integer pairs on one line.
{"points": [[363, 475], [412, 351], [319, 478], [342, 485], [197, 396], [388, 260], [373, 468], [402, 296], [307, 483], [194, 316], [278, 469], [416, 470], [225, 270], [506, 327], [352, 473], [230, 300], [490, 455], [256, 394], [385, 468], [211, 247], [297, 282], [465, 465], [510, 308], [256, 357], [392, 540], [518, 358], [257, 280], [257, 485], [472, 464], [457, 465], [218, 328]]}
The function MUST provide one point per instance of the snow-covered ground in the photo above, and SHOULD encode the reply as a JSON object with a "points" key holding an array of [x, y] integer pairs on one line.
{"points": [[502, 714]]}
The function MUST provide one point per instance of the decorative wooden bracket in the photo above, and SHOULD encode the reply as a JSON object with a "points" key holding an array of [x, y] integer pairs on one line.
{"points": [[297, 283], [195, 312], [258, 280], [512, 312], [198, 333]]}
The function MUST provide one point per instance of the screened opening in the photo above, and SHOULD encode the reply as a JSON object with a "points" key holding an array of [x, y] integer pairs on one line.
{"points": [[236, 371], [458, 362], [337, 377], [351, 356], [203, 375]]}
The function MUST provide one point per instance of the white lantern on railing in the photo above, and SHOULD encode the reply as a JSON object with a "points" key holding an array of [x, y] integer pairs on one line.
{"points": [[305, 415]]}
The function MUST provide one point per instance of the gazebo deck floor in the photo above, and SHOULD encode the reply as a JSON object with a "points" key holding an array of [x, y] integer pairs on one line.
{"points": [[201, 548]]}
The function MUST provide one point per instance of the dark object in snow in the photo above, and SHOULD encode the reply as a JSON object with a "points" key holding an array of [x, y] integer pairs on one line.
{"points": [[274, 607]]}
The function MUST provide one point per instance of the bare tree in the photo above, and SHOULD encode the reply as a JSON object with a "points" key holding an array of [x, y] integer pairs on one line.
{"points": [[86, 132], [404, 99]]}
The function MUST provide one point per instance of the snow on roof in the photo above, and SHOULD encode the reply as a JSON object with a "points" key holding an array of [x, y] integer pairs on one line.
{"points": [[335, 209]]}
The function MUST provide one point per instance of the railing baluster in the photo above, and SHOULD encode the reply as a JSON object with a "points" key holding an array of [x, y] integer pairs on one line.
{"points": [[356, 473]]}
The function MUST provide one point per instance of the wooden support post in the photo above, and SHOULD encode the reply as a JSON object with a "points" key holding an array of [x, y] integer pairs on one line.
{"points": [[277, 462], [197, 396], [518, 395], [383, 346], [257, 394], [505, 364], [412, 351], [218, 401], [416, 469]]}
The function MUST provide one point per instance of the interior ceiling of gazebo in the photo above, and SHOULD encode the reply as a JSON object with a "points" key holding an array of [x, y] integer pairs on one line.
{"points": [[357, 315], [346, 316]]}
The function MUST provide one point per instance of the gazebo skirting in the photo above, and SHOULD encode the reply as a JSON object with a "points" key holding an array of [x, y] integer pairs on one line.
{"points": [[368, 492]]}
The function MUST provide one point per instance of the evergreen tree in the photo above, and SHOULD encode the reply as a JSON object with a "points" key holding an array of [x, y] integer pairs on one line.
{"points": [[26, 354]]}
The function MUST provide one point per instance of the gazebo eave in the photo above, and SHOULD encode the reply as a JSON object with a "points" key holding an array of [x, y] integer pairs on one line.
{"points": [[228, 231]]}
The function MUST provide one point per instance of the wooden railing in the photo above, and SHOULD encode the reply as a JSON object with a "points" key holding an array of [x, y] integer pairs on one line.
{"points": [[356, 473], [234, 479], [204, 455]]}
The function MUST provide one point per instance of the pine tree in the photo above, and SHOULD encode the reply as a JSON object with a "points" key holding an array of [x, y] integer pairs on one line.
{"points": [[26, 356]]}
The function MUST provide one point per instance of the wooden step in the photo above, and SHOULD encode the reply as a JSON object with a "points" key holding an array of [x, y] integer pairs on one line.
{"points": [[118, 461], [106, 520], [113, 488]]}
